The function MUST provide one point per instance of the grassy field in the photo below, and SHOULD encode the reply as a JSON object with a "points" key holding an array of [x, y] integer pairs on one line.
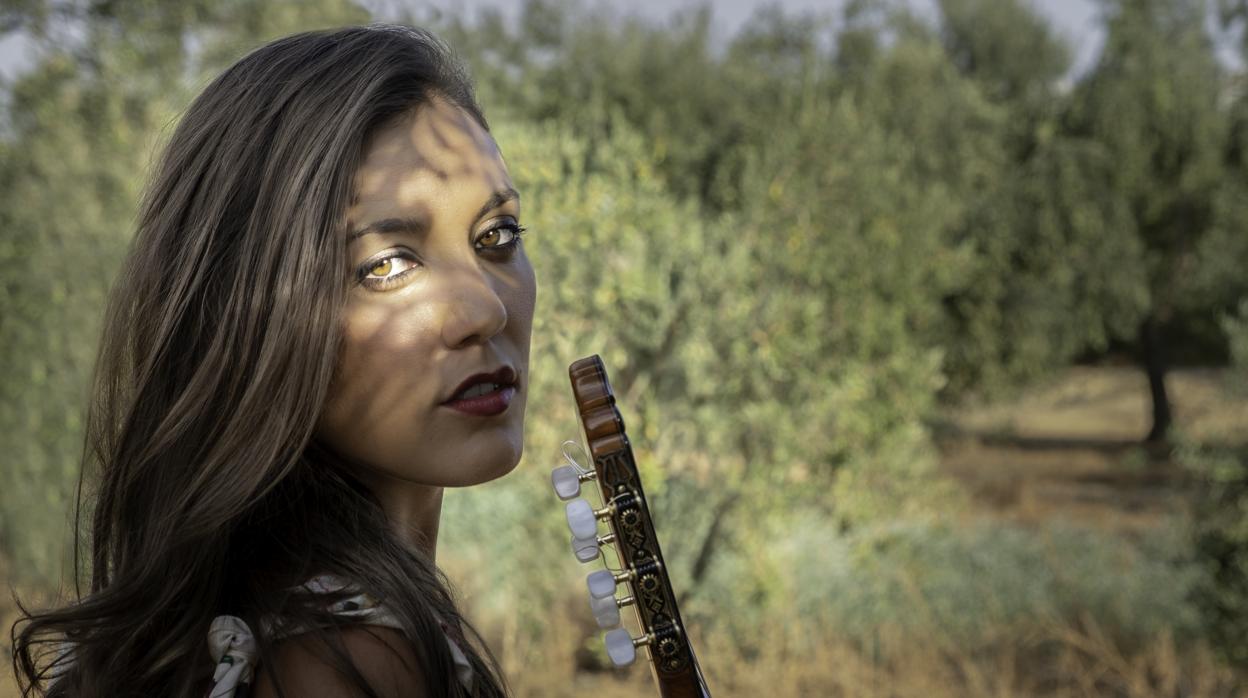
{"points": [[1065, 451]]}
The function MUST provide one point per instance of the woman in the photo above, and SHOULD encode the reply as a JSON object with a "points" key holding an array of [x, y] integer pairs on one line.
{"points": [[327, 270]]}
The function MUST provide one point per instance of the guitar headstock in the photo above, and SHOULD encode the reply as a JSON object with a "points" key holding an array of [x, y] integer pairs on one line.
{"points": [[631, 539]]}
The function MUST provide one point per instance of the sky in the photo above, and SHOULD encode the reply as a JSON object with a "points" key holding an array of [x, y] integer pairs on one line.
{"points": [[1076, 20]]}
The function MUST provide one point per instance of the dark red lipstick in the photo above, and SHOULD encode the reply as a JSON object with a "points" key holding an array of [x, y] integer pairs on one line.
{"points": [[485, 394]]}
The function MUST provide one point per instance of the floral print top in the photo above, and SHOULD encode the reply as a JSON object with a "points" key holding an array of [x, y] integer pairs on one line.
{"points": [[232, 645]]}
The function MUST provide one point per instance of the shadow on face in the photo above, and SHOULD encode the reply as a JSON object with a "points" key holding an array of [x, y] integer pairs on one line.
{"points": [[441, 288]]}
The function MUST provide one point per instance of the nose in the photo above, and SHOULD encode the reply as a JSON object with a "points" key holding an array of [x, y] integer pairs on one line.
{"points": [[473, 311]]}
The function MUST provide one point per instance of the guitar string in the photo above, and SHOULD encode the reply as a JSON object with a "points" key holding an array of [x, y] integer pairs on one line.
{"points": [[564, 447]]}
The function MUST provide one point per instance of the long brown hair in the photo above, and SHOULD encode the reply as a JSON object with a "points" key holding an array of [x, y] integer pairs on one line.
{"points": [[210, 495]]}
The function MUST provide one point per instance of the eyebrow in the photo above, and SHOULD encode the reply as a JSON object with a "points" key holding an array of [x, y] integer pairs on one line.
{"points": [[419, 226], [416, 226]]}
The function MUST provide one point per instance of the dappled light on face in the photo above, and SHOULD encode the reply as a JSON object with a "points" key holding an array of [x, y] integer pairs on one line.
{"points": [[368, 394], [427, 148], [430, 188], [454, 132]]}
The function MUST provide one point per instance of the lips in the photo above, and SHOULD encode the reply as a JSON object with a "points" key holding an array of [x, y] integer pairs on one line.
{"points": [[503, 376]]}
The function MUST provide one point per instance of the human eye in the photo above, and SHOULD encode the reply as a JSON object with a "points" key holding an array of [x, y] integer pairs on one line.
{"points": [[503, 238], [380, 273]]}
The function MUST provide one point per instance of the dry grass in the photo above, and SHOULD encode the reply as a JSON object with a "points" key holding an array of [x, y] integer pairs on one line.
{"points": [[1069, 660]]}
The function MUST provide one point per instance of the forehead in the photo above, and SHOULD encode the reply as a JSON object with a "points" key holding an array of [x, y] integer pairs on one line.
{"points": [[435, 154]]}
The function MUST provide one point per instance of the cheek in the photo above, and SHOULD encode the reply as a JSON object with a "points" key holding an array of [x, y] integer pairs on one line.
{"points": [[523, 301], [382, 386]]}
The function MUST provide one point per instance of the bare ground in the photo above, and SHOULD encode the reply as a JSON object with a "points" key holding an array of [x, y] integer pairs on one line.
{"points": [[1073, 447]]}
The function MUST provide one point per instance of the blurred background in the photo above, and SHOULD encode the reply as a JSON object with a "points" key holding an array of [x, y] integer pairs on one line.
{"points": [[929, 321]]}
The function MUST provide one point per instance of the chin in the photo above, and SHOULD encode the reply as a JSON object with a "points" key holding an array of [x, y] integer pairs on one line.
{"points": [[486, 469], [496, 473], [496, 470]]}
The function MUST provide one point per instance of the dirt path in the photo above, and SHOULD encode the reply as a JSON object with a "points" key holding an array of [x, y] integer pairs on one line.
{"points": [[1071, 448]]}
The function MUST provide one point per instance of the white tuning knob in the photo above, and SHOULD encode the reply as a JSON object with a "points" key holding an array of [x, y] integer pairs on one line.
{"points": [[620, 647], [601, 584], [606, 611], [581, 519], [585, 549], [567, 482]]}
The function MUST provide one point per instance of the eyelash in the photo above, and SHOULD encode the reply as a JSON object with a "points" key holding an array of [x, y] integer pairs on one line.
{"points": [[381, 284]]}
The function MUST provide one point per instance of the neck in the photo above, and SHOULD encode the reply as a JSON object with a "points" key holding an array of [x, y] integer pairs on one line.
{"points": [[413, 510]]}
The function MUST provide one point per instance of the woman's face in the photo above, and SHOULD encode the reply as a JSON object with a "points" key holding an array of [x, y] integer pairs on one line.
{"points": [[441, 290]]}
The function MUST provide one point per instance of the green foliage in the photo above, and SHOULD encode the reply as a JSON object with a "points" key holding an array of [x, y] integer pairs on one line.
{"points": [[66, 215], [612, 251], [785, 253], [88, 119], [1005, 46], [976, 105], [964, 586], [1221, 518], [582, 66], [627, 271], [1237, 330], [1152, 103], [1049, 279]]}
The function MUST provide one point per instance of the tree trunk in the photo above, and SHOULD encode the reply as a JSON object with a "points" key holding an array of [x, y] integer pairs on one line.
{"points": [[1155, 366], [707, 550]]}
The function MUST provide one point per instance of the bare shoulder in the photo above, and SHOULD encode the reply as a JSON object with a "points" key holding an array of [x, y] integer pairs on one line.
{"points": [[305, 666]]}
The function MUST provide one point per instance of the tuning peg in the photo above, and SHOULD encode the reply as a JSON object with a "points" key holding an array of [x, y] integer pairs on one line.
{"points": [[581, 519], [585, 549], [621, 647], [567, 481], [606, 611], [601, 584]]}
